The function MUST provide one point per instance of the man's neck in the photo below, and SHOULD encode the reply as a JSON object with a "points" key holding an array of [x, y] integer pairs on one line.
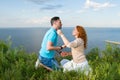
{"points": [[54, 27]]}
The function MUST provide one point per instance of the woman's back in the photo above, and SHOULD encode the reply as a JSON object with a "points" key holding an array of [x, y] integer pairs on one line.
{"points": [[77, 49]]}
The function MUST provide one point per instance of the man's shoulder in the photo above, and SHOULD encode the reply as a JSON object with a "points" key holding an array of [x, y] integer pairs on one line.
{"points": [[52, 32]]}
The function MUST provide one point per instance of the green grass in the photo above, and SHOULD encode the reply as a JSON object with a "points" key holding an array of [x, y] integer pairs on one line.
{"points": [[17, 64]]}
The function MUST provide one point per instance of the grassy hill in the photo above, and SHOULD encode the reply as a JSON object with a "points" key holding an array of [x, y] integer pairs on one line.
{"points": [[17, 64]]}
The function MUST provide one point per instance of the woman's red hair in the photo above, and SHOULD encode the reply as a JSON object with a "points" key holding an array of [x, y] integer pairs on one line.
{"points": [[82, 34]]}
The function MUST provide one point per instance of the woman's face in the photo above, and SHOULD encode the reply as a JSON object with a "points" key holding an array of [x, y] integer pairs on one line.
{"points": [[75, 32]]}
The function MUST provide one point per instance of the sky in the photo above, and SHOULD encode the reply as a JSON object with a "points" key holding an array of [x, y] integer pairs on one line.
{"points": [[37, 13]]}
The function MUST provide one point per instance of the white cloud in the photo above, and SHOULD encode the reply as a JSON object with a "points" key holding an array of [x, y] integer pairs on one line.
{"points": [[60, 12], [27, 22], [64, 11], [81, 11], [119, 14], [97, 6], [38, 20], [12, 22]]}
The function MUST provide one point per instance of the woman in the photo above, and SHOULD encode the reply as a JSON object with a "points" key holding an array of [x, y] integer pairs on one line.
{"points": [[79, 61]]}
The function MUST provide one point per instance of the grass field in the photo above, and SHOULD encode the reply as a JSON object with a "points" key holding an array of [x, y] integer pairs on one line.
{"points": [[17, 64]]}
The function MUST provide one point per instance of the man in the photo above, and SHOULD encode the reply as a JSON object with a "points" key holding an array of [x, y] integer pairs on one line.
{"points": [[48, 46]]}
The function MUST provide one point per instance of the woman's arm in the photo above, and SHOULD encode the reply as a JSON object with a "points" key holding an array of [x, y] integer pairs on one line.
{"points": [[72, 44], [65, 40]]}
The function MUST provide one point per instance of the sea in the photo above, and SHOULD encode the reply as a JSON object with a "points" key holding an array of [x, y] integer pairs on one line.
{"points": [[31, 38]]}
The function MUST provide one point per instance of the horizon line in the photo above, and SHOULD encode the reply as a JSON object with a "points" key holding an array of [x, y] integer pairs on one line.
{"points": [[62, 27]]}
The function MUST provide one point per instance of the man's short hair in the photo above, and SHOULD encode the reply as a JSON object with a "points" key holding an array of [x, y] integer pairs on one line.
{"points": [[54, 19]]}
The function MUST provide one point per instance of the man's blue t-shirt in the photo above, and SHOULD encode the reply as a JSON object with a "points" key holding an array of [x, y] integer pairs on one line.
{"points": [[51, 35]]}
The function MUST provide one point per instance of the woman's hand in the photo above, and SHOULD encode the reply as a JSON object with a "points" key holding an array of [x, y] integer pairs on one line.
{"points": [[59, 32], [64, 46], [64, 54]]}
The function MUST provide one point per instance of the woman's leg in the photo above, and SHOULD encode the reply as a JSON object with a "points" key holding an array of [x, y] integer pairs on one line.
{"points": [[84, 67], [67, 65], [63, 61]]}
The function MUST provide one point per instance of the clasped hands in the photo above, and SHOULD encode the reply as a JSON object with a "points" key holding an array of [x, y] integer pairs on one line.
{"points": [[63, 54]]}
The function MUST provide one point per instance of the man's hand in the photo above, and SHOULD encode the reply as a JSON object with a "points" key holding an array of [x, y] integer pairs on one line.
{"points": [[63, 54]]}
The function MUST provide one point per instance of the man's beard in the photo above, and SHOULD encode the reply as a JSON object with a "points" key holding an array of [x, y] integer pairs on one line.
{"points": [[60, 27]]}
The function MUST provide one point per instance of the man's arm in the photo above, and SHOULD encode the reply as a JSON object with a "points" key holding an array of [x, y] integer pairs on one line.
{"points": [[51, 47]]}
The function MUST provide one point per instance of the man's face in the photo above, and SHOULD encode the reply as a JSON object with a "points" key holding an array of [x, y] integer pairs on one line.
{"points": [[58, 23]]}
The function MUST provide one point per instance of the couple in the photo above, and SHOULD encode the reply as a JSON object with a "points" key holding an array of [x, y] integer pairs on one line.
{"points": [[48, 47]]}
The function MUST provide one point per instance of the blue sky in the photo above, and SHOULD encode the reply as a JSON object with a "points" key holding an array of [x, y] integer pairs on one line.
{"points": [[37, 13]]}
